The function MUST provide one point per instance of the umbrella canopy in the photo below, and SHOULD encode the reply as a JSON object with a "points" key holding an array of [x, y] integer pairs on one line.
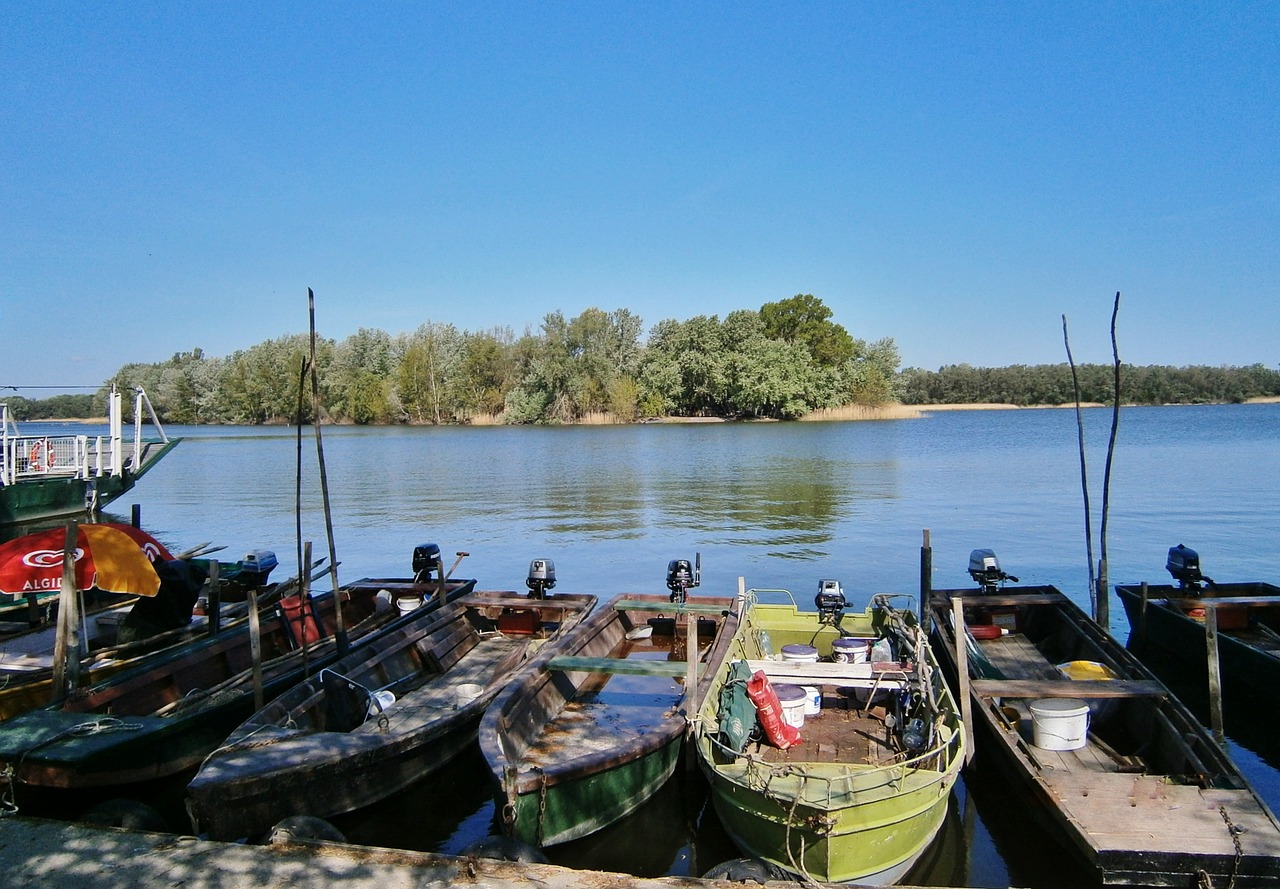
{"points": [[109, 557]]}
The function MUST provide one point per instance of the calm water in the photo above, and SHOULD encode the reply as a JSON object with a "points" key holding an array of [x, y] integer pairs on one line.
{"points": [[782, 505]]}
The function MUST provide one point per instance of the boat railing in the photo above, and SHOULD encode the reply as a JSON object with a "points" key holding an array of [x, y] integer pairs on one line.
{"points": [[26, 457], [753, 596]]}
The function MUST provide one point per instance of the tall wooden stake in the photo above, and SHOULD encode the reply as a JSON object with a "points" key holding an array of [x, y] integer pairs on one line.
{"points": [[926, 583], [962, 675], [66, 639], [340, 631], [1216, 721]]}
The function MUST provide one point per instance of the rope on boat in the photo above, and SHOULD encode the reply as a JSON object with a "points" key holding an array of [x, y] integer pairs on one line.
{"points": [[8, 800]]}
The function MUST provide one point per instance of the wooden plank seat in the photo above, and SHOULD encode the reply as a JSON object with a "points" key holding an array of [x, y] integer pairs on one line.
{"points": [[635, 667], [1068, 688], [889, 675], [673, 607]]}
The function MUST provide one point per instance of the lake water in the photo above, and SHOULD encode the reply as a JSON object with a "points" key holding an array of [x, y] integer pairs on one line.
{"points": [[782, 505]]}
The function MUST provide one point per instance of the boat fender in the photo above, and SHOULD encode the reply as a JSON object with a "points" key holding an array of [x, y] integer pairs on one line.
{"points": [[987, 631], [300, 828], [127, 813], [505, 849], [769, 712]]}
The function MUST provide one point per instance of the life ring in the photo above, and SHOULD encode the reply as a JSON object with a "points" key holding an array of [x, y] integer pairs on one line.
{"points": [[41, 456]]}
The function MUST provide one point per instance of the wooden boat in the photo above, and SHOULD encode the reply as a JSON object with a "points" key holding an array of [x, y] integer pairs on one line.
{"points": [[1113, 763], [53, 476], [1173, 619], [866, 790], [594, 727], [26, 658], [377, 720], [165, 716]]}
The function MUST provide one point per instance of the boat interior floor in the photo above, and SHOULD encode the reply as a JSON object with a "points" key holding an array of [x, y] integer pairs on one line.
{"points": [[839, 733]]}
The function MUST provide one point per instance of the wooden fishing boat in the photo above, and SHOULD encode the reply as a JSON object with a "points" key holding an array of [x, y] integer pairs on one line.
{"points": [[866, 790], [378, 720], [163, 717], [594, 727], [27, 657], [1112, 762], [1172, 619]]}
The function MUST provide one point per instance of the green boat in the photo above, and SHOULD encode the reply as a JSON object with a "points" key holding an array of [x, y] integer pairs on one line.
{"points": [[866, 789], [595, 725]]}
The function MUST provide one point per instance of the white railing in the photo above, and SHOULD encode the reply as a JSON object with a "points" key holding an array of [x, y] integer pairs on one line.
{"points": [[73, 456]]}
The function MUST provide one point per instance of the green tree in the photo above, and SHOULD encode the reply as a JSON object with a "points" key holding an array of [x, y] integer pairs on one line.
{"points": [[805, 320]]}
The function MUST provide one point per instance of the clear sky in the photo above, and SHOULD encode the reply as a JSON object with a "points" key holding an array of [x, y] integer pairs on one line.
{"points": [[955, 176]]}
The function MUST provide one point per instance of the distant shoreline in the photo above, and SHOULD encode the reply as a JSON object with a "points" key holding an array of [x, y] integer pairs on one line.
{"points": [[851, 413]]}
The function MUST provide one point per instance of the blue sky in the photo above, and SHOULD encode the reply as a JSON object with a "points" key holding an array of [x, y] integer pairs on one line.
{"points": [[954, 176]]}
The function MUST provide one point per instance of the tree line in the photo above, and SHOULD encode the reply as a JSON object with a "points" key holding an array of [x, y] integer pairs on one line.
{"points": [[1041, 384], [782, 361]]}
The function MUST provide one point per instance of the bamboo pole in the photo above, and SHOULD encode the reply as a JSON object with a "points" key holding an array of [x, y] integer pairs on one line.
{"points": [[340, 632], [214, 607], [962, 676]]}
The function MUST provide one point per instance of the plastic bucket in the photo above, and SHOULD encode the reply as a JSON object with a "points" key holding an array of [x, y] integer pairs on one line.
{"points": [[381, 701], [466, 693], [812, 700], [851, 650], [405, 604], [792, 698], [1059, 723], [803, 654]]}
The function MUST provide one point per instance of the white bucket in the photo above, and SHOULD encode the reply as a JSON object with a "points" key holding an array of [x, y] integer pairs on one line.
{"points": [[1059, 723], [405, 604], [801, 654], [851, 650], [812, 700], [384, 700], [792, 698], [467, 692]]}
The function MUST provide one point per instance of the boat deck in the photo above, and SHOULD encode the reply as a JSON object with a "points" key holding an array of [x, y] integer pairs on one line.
{"points": [[1128, 813], [839, 733]]}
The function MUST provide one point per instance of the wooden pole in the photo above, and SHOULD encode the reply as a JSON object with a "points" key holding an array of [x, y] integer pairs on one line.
{"points": [[926, 583], [962, 675], [340, 631], [214, 608], [66, 633], [255, 647], [1142, 613], [1215, 675]]}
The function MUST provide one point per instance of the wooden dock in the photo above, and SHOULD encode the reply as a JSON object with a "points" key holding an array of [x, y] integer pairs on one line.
{"points": [[36, 854]]}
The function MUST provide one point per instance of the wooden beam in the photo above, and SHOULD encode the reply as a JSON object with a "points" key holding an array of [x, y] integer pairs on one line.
{"points": [[575, 664], [673, 607], [1069, 688]]}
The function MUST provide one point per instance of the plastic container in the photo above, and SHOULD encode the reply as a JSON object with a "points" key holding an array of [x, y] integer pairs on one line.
{"points": [[792, 698], [1059, 723], [405, 604], [812, 700], [801, 654], [1099, 708], [851, 650]]}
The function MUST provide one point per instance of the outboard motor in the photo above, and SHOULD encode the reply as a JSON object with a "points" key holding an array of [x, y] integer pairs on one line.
{"points": [[830, 602], [1184, 564], [984, 568], [255, 567], [681, 577], [542, 577], [426, 559]]}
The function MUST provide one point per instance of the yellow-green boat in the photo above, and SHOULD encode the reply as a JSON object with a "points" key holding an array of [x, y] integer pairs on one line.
{"points": [[866, 790]]}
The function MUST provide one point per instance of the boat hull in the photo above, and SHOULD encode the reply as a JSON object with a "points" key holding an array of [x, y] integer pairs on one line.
{"points": [[827, 810], [288, 759]]}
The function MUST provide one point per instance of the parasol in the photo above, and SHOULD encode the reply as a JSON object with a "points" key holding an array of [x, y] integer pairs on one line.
{"points": [[113, 558]]}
